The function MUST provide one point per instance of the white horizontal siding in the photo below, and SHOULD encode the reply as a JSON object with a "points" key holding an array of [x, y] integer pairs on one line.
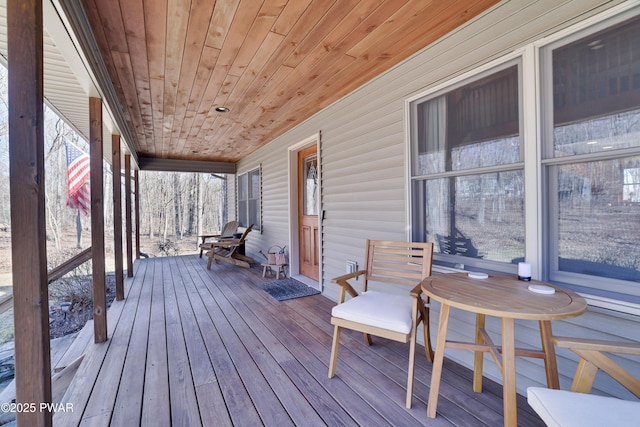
{"points": [[364, 171]]}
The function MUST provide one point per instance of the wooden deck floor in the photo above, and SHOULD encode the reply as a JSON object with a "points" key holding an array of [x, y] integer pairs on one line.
{"points": [[191, 347]]}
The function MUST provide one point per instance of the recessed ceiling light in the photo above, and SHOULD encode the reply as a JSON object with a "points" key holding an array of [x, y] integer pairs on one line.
{"points": [[592, 142], [222, 109], [608, 147]]}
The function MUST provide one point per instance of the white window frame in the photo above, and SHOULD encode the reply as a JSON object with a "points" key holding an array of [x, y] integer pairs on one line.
{"points": [[613, 289], [257, 222], [515, 58]]}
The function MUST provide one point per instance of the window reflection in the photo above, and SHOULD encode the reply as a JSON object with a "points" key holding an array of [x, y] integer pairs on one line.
{"points": [[476, 216], [473, 215], [598, 222]]}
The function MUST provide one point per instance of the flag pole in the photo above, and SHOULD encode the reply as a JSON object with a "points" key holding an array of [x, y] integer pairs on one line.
{"points": [[78, 230]]}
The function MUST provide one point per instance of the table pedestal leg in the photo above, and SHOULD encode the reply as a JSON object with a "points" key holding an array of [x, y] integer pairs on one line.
{"points": [[478, 357], [550, 363], [438, 360], [509, 372]]}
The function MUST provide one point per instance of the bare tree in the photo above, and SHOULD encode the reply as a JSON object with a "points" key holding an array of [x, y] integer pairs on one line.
{"points": [[195, 201], [177, 207]]}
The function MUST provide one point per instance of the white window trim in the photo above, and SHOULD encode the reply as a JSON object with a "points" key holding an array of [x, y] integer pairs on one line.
{"points": [[611, 304], [516, 55]]}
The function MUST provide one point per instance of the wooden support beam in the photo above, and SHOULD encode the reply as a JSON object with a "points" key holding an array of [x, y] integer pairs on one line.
{"points": [[117, 215], [28, 227], [97, 221], [127, 209], [136, 186]]}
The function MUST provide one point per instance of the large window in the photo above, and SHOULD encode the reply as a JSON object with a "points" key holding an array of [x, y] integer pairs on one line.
{"points": [[591, 155], [249, 194], [467, 170], [578, 223]]}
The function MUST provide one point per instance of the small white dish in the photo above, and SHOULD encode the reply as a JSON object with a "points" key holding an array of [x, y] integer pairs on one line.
{"points": [[476, 275], [542, 289]]}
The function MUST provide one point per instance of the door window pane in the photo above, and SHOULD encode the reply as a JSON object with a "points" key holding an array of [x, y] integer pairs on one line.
{"points": [[311, 185]]}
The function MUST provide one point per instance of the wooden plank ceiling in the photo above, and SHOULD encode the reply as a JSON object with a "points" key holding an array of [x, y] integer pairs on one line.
{"points": [[273, 63]]}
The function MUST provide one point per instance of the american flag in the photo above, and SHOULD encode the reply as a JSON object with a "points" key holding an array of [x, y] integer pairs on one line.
{"points": [[78, 192]]}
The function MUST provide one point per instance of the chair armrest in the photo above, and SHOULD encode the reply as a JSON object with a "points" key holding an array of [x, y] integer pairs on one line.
{"points": [[204, 237], [597, 345], [225, 243], [216, 236], [207, 236], [345, 277], [342, 281], [417, 291], [592, 359]]}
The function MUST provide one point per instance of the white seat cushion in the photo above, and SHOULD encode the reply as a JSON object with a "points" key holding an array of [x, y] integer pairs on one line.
{"points": [[379, 309], [560, 408]]}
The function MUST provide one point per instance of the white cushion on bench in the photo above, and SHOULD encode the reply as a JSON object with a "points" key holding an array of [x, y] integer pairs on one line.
{"points": [[567, 409], [379, 309]]}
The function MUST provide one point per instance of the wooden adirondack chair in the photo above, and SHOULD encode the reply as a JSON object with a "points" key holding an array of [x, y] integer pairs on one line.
{"points": [[389, 315], [226, 250], [226, 233]]}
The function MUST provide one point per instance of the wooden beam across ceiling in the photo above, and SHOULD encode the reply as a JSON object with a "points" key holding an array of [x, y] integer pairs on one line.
{"points": [[273, 63], [177, 165]]}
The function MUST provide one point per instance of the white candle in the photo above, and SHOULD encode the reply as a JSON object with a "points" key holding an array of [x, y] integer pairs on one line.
{"points": [[524, 271]]}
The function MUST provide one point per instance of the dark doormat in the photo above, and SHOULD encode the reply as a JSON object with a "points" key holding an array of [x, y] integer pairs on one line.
{"points": [[287, 289]]}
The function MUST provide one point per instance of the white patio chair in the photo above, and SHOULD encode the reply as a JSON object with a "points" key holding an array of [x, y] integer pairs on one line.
{"points": [[375, 312]]}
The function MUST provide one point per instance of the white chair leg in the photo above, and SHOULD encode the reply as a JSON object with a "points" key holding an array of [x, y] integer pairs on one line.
{"points": [[334, 351]]}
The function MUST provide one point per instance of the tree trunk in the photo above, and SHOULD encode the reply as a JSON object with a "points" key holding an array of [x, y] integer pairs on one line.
{"points": [[198, 207], [191, 203], [166, 227], [150, 208], [176, 207]]}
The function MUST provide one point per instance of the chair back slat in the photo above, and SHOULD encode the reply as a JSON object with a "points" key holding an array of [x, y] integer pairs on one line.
{"points": [[229, 228], [402, 263]]}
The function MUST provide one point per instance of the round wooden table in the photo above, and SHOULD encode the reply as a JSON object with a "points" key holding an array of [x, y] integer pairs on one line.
{"points": [[508, 298]]}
